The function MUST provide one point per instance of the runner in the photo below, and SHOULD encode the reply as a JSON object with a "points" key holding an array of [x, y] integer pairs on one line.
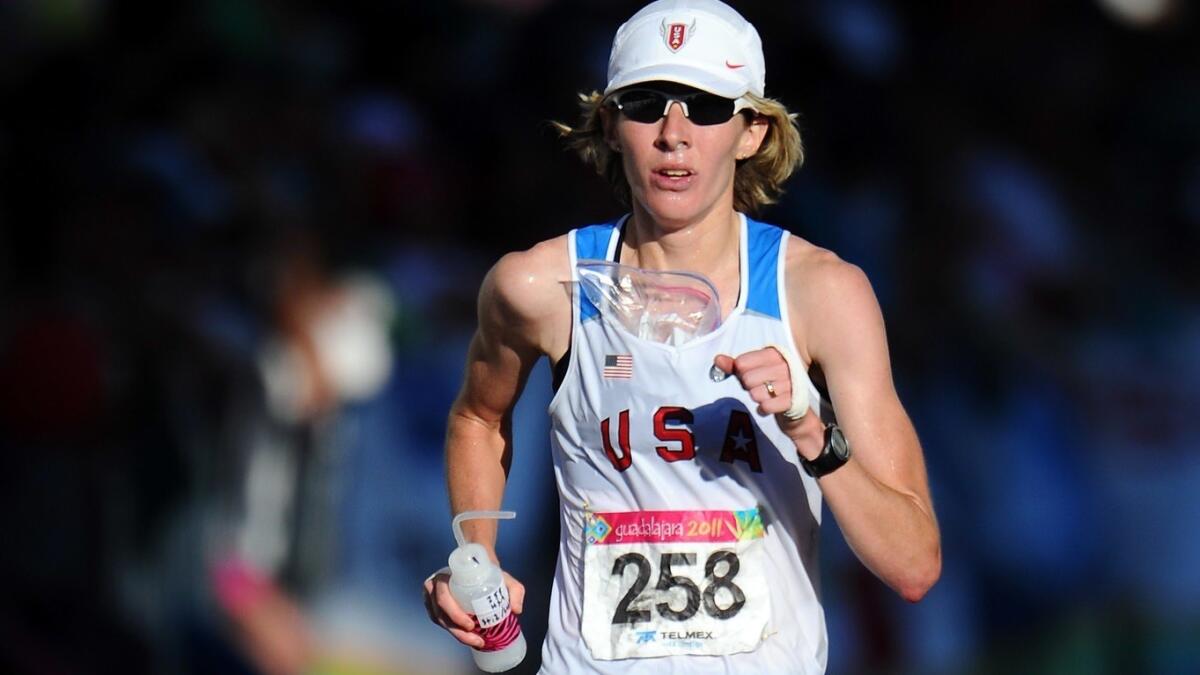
{"points": [[692, 447]]}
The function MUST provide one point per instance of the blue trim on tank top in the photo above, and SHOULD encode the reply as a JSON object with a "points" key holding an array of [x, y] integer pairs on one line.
{"points": [[762, 255], [591, 243]]}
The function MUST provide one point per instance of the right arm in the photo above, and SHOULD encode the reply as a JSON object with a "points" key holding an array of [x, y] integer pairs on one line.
{"points": [[479, 432], [524, 313]]}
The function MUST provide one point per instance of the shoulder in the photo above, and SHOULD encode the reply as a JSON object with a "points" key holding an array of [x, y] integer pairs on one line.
{"points": [[523, 279], [826, 294], [529, 291], [815, 273]]}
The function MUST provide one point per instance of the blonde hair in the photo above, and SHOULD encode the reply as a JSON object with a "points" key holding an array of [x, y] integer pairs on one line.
{"points": [[758, 179]]}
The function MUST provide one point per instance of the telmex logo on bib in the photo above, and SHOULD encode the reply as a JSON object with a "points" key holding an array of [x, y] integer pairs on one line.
{"points": [[650, 636]]}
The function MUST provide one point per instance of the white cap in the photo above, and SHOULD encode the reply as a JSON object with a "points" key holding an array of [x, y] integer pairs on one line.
{"points": [[704, 44]]}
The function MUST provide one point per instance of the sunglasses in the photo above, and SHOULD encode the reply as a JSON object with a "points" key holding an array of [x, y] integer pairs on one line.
{"points": [[649, 105]]}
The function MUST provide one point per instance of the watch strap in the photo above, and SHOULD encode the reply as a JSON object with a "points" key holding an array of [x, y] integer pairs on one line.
{"points": [[828, 461]]}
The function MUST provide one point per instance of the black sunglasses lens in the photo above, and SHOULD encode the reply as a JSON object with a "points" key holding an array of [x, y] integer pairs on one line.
{"points": [[646, 105], [642, 105], [705, 109]]}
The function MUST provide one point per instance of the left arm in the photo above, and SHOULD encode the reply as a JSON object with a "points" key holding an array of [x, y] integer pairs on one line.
{"points": [[880, 498]]}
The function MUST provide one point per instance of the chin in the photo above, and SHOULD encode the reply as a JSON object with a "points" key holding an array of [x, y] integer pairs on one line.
{"points": [[673, 209]]}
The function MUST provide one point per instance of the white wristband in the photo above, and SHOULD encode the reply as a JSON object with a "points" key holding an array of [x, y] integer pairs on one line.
{"points": [[799, 398]]}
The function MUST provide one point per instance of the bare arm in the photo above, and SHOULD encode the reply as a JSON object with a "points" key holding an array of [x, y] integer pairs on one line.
{"points": [[880, 498], [479, 430], [523, 314], [521, 305]]}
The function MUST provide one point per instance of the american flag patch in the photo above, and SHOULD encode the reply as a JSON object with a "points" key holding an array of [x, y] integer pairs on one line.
{"points": [[618, 366]]}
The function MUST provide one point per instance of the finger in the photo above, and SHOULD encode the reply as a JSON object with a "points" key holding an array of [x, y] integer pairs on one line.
{"points": [[724, 362], [430, 582], [758, 358], [466, 637], [759, 393], [775, 406], [516, 594], [429, 605], [450, 609], [776, 374]]}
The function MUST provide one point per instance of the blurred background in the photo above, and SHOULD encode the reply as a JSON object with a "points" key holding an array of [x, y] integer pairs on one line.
{"points": [[239, 248]]}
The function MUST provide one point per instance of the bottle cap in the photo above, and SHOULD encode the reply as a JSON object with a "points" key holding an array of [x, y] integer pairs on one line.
{"points": [[470, 564]]}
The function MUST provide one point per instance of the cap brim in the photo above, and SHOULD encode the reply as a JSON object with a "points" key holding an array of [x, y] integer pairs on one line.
{"points": [[681, 74]]}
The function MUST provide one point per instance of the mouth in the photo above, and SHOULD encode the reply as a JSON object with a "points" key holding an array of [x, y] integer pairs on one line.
{"points": [[672, 178]]}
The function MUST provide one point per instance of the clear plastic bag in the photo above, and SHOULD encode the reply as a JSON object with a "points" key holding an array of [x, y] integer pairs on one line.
{"points": [[672, 308]]}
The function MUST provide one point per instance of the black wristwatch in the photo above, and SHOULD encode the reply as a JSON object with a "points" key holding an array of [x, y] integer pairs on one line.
{"points": [[835, 453]]}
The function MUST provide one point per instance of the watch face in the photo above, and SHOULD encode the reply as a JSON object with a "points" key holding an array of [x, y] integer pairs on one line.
{"points": [[838, 444]]}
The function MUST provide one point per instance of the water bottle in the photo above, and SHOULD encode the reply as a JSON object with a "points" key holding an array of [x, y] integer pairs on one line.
{"points": [[478, 586]]}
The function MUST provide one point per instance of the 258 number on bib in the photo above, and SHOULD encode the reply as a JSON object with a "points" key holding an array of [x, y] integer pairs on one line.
{"points": [[719, 571]]}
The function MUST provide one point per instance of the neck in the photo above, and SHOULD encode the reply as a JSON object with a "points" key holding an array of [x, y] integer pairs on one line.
{"points": [[708, 245]]}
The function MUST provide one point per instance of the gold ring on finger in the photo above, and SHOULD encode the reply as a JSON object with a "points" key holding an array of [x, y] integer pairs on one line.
{"points": [[770, 388]]}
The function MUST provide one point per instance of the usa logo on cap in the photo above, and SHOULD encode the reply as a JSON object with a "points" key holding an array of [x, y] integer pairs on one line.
{"points": [[676, 33]]}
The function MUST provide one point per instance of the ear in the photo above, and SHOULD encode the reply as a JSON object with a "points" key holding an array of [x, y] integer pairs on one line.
{"points": [[609, 123], [753, 136]]}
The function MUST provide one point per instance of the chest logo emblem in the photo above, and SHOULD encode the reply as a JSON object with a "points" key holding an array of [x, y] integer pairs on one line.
{"points": [[618, 367]]}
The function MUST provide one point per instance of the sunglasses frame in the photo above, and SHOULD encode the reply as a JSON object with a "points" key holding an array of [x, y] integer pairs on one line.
{"points": [[739, 104]]}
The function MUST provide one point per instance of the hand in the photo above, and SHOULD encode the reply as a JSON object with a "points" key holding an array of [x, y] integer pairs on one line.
{"points": [[754, 370], [445, 611]]}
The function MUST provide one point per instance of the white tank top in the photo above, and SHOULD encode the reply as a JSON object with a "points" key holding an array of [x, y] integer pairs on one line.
{"points": [[688, 530]]}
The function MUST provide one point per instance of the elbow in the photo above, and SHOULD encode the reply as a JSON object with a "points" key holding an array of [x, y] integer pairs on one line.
{"points": [[922, 576]]}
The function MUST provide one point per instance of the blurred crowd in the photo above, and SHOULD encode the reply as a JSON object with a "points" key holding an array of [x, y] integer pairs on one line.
{"points": [[240, 242]]}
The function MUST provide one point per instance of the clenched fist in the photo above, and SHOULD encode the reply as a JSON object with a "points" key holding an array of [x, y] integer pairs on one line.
{"points": [[765, 374], [445, 611]]}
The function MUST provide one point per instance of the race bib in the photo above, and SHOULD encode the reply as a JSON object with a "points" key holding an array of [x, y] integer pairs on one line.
{"points": [[661, 583]]}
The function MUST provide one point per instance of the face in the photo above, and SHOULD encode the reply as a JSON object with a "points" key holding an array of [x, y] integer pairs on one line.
{"points": [[679, 171]]}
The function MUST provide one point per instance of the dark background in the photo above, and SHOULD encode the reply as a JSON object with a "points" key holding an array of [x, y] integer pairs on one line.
{"points": [[240, 246]]}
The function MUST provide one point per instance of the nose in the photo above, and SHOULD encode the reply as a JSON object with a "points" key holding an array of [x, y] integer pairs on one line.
{"points": [[675, 130]]}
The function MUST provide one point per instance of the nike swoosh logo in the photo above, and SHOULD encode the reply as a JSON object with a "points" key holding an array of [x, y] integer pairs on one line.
{"points": [[734, 66]]}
